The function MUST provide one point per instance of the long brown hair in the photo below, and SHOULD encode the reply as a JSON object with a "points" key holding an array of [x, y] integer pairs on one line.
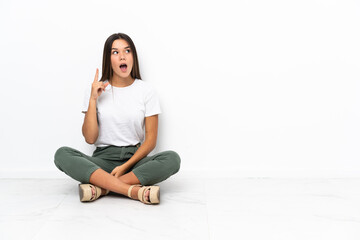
{"points": [[107, 71]]}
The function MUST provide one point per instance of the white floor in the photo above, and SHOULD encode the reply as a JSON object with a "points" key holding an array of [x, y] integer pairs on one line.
{"points": [[191, 208]]}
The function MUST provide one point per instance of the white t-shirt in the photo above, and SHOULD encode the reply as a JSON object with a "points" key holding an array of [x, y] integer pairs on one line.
{"points": [[121, 113]]}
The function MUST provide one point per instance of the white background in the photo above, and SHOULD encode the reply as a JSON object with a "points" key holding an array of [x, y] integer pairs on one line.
{"points": [[252, 88]]}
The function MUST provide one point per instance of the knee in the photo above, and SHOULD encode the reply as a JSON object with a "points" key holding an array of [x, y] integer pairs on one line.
{"points": [[175, 160], [59, 156]]}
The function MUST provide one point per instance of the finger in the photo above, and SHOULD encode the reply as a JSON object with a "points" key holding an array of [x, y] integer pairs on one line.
{"points": [[104, 85], [96, 75]]}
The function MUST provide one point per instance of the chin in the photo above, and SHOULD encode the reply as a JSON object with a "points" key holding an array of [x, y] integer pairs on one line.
{"points": [[123, 75]]}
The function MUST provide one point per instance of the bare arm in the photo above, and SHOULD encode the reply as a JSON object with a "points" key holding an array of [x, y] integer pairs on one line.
{"points": [[90, 128]]}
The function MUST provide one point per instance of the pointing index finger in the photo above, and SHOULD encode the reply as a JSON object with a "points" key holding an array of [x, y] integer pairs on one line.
{"points": [[96, 75]]}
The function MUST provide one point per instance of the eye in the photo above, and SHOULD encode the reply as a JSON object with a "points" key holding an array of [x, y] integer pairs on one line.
{"points": [[115, 52], [127, 50]]}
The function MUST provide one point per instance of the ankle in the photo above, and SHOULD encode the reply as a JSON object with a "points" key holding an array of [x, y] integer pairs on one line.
{"points": [[134, 192]]}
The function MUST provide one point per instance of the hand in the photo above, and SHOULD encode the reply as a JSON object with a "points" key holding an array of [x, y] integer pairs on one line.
{"points": [[119, 171], [97, 87]]}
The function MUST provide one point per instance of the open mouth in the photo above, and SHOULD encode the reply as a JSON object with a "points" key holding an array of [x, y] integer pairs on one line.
{"points": [[123, 67]]}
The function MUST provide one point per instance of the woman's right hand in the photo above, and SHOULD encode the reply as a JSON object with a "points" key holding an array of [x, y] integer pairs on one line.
{"points": [[97, 87]]}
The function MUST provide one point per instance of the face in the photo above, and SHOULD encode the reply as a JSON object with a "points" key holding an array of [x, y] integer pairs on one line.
{"points": [[121, 58]]}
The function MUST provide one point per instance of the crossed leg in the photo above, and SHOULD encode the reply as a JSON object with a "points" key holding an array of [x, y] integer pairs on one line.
{"points": [[119, 185]]}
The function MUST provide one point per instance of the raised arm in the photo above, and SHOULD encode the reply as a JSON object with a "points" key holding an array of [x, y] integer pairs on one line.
{"points": [[90, 128]]}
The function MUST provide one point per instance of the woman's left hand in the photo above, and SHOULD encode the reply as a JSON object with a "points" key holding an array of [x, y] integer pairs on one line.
{"points": [[119, 171]]}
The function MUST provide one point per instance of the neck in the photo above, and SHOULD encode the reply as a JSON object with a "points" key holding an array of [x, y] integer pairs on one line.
{"points": [[117, 81]]}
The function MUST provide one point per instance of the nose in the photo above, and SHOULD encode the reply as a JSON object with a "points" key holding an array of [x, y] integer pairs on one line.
{"points": [[122, 56]]}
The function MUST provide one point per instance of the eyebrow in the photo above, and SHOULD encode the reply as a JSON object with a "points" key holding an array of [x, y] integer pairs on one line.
{"points": [[117, 49]]}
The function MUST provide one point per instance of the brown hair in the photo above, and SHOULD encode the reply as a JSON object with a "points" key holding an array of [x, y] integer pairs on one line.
{"points": [[107, 71]]}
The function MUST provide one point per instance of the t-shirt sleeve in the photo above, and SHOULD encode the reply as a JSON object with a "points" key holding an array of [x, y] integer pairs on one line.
{"points": [[152, 103], [86, 99]]}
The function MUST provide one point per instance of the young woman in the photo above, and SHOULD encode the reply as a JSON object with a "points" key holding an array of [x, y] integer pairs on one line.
{"points": [[122, 122]]}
